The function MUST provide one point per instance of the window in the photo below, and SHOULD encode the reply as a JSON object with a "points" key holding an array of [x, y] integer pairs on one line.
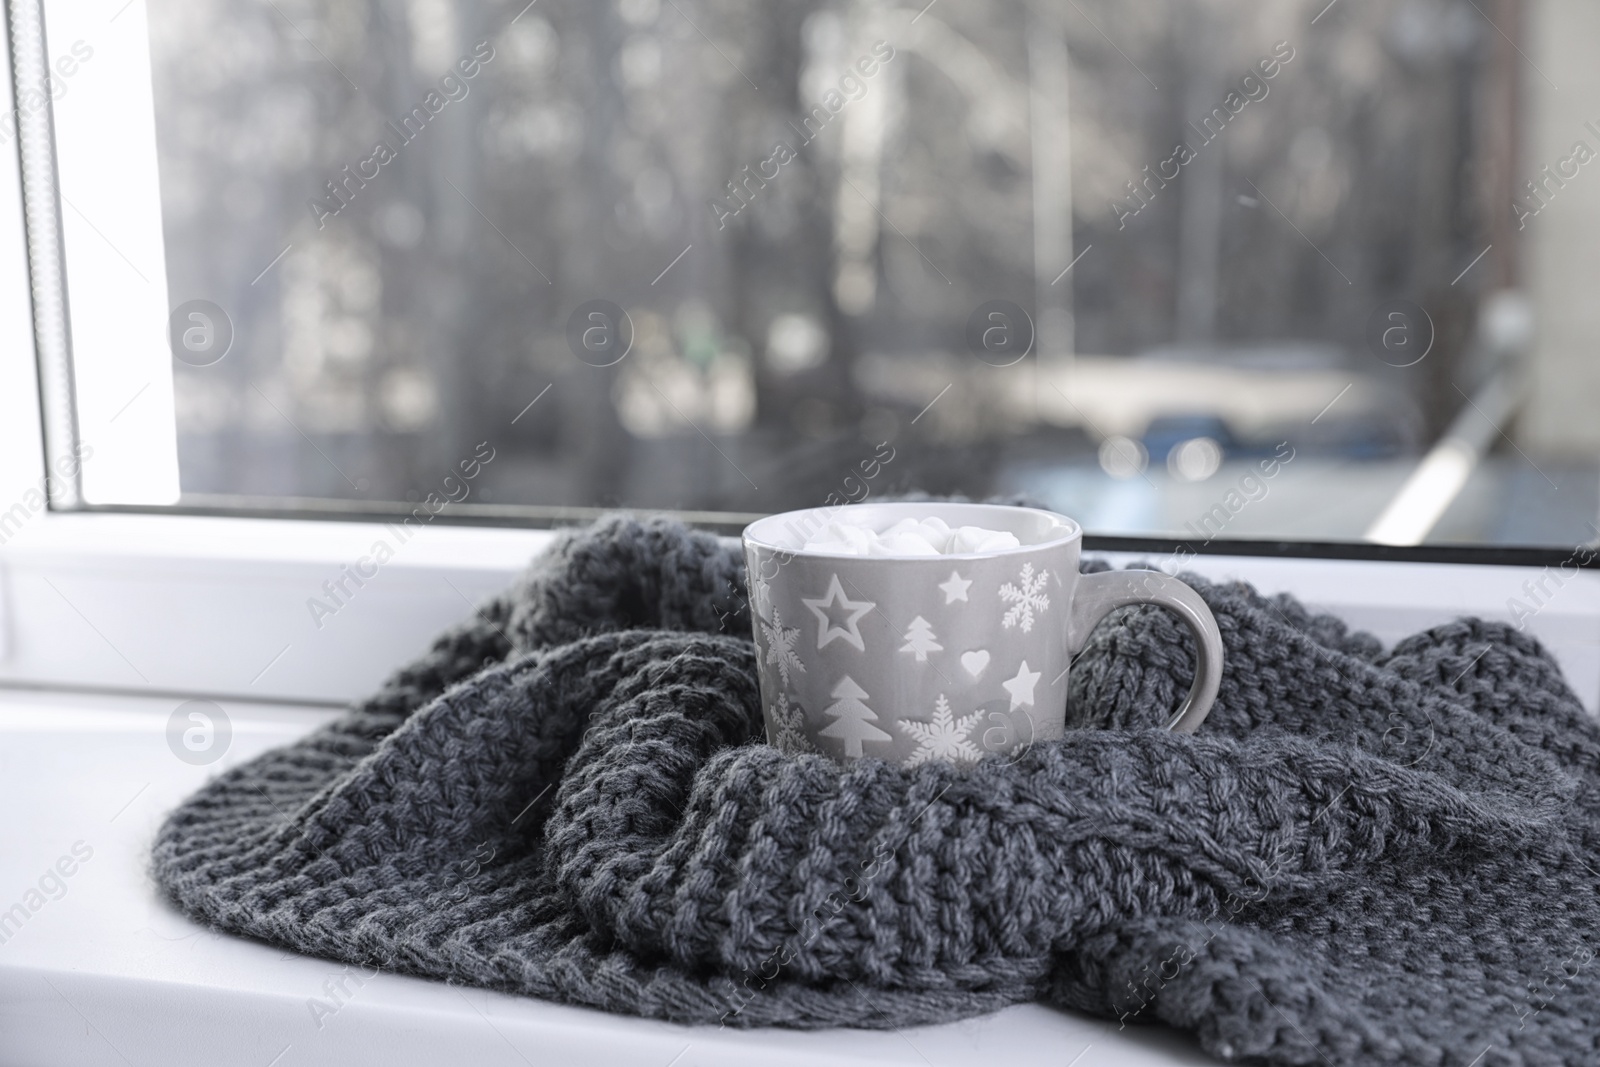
{"points": [[1288, 271]]}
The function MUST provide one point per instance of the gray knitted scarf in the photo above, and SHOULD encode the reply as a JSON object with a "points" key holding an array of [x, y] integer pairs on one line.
{"points": [[1362, 857]]}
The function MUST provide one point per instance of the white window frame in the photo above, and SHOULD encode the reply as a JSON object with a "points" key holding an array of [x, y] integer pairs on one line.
{"points": [[103, 122], [203, 605]]}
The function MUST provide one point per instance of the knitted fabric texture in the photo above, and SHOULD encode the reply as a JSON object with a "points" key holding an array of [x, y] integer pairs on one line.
{"points": [[1361, 857]]}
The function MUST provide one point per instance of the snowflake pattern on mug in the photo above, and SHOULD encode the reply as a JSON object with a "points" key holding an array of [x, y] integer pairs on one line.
{"points": [[1026, 599], [945, 738], [788, 727], [780, 646]]}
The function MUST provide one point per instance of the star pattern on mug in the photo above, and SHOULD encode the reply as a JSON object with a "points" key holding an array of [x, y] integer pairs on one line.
{"points": [[1021, 687], [838, 616], [955, 589], [760, 596]]}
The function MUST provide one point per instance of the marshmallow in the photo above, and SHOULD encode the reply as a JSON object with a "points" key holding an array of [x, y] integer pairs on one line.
{"points": [[841, 539], [931, 536], [977, 539], [901, 544]]}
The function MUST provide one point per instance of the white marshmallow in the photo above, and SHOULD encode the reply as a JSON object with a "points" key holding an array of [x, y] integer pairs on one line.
{"points": [[902, 544], [934, 531], [977, 539], [931, 536], [840, 539]]}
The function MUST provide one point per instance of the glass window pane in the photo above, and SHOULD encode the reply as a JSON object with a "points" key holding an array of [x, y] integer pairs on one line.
{"points": [[1275, 269]]}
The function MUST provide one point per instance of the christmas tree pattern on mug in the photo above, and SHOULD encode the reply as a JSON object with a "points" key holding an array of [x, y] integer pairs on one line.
{"points": [[850, 611], [1026, 599], [787, 726], [780, 646], [945, 738], [852, 719], [920, 639]]}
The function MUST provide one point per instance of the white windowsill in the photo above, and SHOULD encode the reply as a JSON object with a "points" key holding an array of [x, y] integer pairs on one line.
{"points": [[172, 605], [110, 974], [220, 606]]}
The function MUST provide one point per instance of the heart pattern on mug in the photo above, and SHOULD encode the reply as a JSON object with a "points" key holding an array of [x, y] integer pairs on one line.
{"points": [[975, 661]]}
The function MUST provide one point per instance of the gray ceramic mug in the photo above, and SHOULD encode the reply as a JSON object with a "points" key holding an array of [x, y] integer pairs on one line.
{"points": [[952, 657]]}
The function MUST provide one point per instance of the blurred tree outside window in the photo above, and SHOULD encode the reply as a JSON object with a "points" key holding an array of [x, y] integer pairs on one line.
{"points": [[1214, 233]]}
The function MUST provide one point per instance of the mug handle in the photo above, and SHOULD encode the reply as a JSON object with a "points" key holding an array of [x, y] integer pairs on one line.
{"points": [[1100, 593]]}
